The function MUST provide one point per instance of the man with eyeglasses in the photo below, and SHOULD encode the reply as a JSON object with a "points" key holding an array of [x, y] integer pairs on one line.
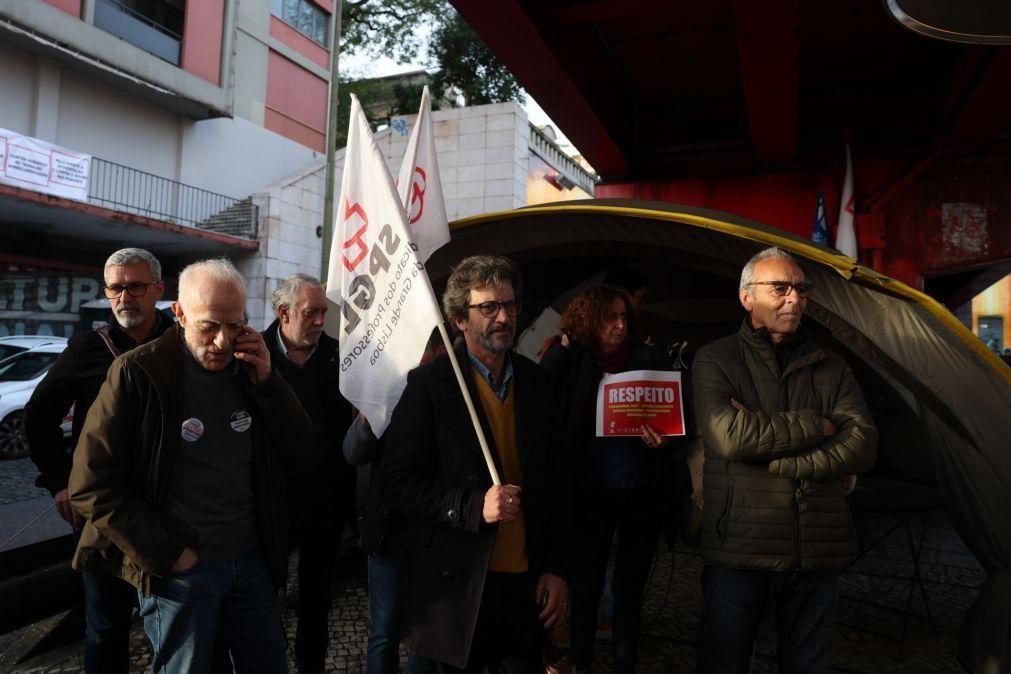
{"points": [[784, 425], [489, 564], [179, 474], [133, 285], [322, 491]]}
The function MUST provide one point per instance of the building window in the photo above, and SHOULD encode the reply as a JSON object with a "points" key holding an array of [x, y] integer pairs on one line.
{"points": [[306, 17], [155, 26]]}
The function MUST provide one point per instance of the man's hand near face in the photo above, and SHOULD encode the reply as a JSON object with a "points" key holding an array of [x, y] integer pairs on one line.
{"points": [[250, 348]]}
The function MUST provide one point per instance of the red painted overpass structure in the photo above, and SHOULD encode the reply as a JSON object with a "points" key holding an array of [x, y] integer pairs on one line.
{"points": [[747, 106]]}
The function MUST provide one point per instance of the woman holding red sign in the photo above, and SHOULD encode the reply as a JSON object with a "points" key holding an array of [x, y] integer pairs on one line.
{"points": [[621, 483]]}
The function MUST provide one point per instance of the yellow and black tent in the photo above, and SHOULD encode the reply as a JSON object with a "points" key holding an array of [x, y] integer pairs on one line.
{"points": [[941, 398]]}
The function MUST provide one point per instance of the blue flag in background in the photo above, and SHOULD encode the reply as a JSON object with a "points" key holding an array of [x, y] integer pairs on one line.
{"points": [[819, 231]]}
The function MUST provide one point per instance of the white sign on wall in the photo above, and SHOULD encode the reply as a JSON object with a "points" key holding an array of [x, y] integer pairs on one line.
{"points": [[35, 165]]}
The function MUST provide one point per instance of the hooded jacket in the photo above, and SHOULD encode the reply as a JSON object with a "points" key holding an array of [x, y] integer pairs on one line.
{"points": [[773, 482], [123, 463]]}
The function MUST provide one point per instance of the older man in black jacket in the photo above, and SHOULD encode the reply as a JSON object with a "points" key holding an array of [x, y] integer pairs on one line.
{"points": [[489, 564], [177, 474], [321, 491], [133, 284], [784, 425]]}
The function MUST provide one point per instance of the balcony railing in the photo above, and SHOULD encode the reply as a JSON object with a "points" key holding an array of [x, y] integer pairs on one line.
{"points": [[128, 190], [140, 30], [546, 149]]}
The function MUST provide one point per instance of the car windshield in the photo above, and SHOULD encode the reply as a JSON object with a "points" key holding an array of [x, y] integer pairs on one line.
{"points": [[8, 350], [25, 366]]}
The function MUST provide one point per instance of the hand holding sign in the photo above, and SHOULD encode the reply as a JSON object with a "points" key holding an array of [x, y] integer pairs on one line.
{"points": [[652, 438], [643, 403]]}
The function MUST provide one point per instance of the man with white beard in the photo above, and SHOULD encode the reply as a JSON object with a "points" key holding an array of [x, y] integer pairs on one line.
{"points": [[133, 285]]}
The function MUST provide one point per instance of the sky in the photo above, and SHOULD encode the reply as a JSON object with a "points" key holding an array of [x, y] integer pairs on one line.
{"points": [[361, 65]]}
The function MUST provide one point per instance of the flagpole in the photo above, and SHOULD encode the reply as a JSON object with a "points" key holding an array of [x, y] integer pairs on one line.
{"points": [[470, 405], [410, 162], [331, 138]]}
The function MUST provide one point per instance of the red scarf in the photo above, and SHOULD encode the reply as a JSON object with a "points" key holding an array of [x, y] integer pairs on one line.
{"points": [[612, 361]]}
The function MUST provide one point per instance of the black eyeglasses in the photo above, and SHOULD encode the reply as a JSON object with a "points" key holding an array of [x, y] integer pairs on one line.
{"points": [[490, 309], [783, 288], [135, 289]]}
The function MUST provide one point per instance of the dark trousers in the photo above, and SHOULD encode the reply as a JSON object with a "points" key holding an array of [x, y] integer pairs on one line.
{"points": [[108, 610], [218, 606], [319, 516], [735, 603], [508, 638], [388, 587], [637, 522]]}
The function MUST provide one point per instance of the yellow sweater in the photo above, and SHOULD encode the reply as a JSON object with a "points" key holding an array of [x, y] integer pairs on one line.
{"points": [[510, 552]]}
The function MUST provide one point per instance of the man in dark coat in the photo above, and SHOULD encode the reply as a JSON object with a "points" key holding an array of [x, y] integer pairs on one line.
{"points": [[322, 491], [785, 426], [133, 284], [177, 474], [489, 565]]}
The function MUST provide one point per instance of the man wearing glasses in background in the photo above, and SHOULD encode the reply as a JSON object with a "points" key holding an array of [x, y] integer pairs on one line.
{"points": [[133, 285], [488, 571], [785, 426]]}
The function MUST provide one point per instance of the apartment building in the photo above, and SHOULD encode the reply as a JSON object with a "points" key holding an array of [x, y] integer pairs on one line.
{"points": [[184, 110]]}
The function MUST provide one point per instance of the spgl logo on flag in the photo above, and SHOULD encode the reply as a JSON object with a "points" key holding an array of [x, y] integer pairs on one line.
{"points": [[417, 206], [420, 186], [358, 238]]}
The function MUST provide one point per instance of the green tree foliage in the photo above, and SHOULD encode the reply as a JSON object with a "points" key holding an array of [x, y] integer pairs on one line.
{"points": [[466, 70], [387, 27], [467, 67]]}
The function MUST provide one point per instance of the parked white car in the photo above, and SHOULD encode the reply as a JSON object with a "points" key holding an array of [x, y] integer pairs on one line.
{"points": [[19, 375], [17, 343]]}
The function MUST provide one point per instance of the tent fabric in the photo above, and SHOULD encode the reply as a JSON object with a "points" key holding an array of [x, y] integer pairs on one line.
{"points": [[959, 391]]}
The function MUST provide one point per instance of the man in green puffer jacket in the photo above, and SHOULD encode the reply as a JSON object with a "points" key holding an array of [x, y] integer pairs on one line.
{"points": [[785, 426]]}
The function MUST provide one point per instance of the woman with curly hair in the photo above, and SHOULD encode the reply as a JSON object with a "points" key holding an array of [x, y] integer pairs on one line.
{"points": [[619, 483]]}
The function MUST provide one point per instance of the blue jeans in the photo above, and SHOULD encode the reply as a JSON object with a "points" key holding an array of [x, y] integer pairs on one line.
{"points": [[601, 513], [388, 573], [229, 600], [735, 603], [108, 610]]}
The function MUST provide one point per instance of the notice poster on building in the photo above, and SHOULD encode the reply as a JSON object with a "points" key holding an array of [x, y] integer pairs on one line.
{"points": [[35, 165], [628, 400]]}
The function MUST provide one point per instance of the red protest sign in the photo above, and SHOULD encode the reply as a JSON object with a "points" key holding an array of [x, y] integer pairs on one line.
{"points": [[628, 400]]}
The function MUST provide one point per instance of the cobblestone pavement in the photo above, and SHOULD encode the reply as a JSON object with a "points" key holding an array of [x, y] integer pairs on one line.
{"points": [[883, 622], [17, 481]]}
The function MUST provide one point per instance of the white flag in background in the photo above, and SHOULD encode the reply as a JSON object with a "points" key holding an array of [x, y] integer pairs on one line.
{"points": [[845, 235], [421, 187], [386, 304]]}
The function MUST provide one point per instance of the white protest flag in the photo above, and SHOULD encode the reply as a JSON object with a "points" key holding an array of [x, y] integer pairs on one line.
{"points": [[845, 235], [421, 187], [387, 307]]}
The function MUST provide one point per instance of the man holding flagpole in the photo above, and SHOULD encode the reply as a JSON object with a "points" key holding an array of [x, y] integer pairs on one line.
{"points": [[489, 564]]}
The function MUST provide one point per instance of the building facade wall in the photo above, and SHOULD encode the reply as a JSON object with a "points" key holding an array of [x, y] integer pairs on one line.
{"points": [[290, 213], [484, 156], [58, 103]]}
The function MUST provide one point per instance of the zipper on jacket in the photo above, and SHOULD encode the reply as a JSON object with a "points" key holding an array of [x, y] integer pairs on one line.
{"points": [[723, 523], [800, 504]]}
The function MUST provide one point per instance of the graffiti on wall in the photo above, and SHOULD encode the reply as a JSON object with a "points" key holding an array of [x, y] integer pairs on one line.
{"points": [[44, 304], [957, 232]]}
